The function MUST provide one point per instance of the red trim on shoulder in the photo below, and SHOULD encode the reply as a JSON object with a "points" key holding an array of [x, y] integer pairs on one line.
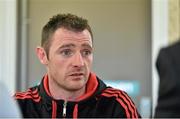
{"points": [[29, 94], [129, 100], [34, 93], [28, 97], [120, 101], [91, 87], [125, 98]]}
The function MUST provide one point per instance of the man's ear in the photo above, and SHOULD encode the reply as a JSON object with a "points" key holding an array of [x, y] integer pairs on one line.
{"points": [[41, 53]]}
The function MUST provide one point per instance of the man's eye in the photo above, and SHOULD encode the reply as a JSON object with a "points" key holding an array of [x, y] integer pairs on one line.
{"points": [[86, 52], [66, 52]]}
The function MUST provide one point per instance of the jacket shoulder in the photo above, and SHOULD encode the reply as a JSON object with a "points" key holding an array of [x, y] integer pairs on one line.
{"points": [[122, 100], [172, 50], [117, 93], [30, 94]]}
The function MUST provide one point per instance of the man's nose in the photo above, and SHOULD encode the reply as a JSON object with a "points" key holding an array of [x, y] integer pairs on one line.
{"points": [[78, 60]]}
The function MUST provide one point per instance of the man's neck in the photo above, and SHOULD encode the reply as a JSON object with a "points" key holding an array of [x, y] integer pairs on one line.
{"points": [[67, 95], [58, 92]]}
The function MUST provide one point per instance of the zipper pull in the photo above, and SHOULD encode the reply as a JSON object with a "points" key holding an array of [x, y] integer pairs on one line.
{"points": [[64, 109]]}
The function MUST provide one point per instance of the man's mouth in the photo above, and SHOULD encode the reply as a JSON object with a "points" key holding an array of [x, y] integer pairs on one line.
{"points": [[77, 74]]}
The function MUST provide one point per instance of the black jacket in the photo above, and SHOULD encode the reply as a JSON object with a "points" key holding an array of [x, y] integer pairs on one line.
{"points": [[168, 66], [99, 101]]}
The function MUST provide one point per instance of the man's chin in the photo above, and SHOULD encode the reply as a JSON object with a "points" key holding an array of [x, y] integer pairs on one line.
{"points": [[77, 86], [74, 89]]}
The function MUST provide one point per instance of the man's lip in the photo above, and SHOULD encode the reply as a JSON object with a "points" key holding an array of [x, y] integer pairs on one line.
{"points": [[76, 74]]}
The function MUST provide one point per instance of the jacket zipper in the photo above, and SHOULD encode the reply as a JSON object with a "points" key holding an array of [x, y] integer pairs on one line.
{"points": [[64, 108]]}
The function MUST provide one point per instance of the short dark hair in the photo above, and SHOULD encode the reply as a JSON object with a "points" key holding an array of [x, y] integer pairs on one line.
{"points": [[67, 21]]}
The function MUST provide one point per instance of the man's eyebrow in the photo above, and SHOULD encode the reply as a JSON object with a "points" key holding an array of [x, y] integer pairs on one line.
{"points": [[87, 45], [67, 46]]}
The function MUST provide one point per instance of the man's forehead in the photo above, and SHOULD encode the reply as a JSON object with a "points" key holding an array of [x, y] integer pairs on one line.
{"points": [[67, 38], [85, 34]]}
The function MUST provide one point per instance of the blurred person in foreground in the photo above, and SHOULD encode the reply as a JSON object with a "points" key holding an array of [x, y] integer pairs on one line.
{"points": [[70, 89], [168, 67], [8, 106]]}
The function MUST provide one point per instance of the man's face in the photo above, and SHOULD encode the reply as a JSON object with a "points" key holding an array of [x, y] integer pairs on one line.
{"points": [[70, 58]]}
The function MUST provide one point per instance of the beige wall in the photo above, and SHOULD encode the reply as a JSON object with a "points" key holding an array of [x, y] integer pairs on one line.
{"points": [[174, 20]]}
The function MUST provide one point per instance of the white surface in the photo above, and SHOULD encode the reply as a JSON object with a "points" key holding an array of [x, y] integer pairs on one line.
{"points": [[8, 106], [159, 39], [8, 42]]}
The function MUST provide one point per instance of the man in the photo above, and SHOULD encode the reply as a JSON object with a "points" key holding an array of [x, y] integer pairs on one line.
{"points": [[168, 66], [70, 89]]}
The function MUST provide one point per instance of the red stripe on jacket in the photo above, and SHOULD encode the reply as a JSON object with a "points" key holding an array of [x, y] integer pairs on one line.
{"points": [[129, 100], [120, 101], [54, 109], [34, 95], [125, 98], [121, 97]]}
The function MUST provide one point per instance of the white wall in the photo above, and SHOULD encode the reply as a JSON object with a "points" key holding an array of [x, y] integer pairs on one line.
{"points": [[8, 43], [159, 39]]}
